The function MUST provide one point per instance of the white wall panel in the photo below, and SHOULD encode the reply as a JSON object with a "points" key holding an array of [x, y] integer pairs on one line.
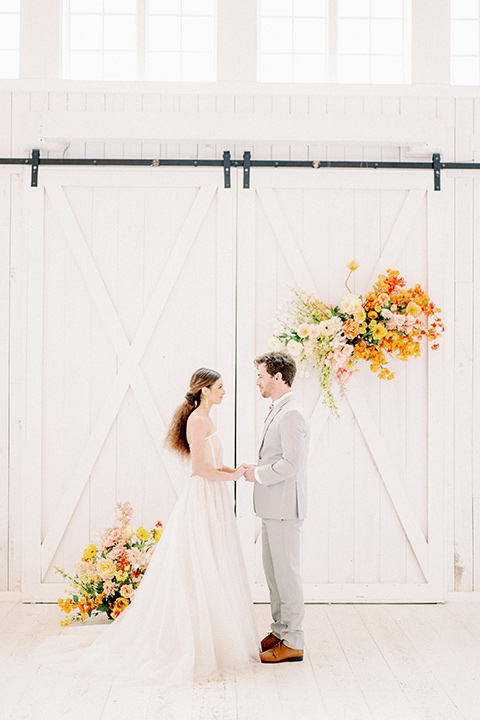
{"points": [[5, 222]]}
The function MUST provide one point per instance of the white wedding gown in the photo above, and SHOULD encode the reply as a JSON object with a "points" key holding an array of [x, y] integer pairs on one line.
{"points": [[192, 615]]}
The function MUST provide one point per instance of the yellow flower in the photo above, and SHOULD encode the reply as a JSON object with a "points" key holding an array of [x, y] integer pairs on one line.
{"points": [[89, 552], [413, 309], [353, 265], [379, 332], [106, 568], [120, 604], [158, 534], [359, 315], [143, 534]]}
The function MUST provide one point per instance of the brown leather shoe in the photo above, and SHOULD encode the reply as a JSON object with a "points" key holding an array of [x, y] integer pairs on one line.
{"points": [[281, 653], [269, 642]]}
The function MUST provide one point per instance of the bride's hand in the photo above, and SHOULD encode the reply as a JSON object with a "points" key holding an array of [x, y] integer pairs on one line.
{"points": [[239, 471]]}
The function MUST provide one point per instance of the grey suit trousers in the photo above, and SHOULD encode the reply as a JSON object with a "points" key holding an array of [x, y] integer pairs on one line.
{"points": [[281, 553]]}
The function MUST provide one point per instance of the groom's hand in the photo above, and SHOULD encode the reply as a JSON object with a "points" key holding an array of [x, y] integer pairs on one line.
{"points": [[250, 473]]}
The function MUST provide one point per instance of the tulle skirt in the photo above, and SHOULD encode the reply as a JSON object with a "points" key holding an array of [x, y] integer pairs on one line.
{"points": [[192, 615]]}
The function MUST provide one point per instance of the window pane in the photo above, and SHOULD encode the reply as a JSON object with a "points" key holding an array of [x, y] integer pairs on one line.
{"points": [[464, 8], [276, 35], [309, 8], [276, 7], [353, 8], [198, 7], [387, 9], [197, 34], [86, 66], [197, 67], [309, 35], [9, 32], [387, 37], [165, 7], [353, 36], [275, 68], [9, 63], [464, 37], [309, 68], [86, 32], [120, 6], [119, 32], [86, 6], [119, 66], [464, 71], [10, 6], [165, 33], [386, 69], [354, 69], [165, 66]]}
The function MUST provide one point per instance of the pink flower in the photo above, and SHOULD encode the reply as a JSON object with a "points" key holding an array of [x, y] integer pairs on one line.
{"points": [[113, 536], [109, 588], [117, 552], [127, 591]]}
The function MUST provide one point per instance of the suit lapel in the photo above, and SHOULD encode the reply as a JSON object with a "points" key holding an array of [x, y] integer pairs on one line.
{"points": [[270, 418]]}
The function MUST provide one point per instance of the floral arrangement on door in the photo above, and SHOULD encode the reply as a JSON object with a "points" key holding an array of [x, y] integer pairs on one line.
{"points": [[391, 320]]}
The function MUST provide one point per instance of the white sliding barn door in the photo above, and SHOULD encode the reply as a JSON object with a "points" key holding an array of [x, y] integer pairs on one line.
{"points": [[375, 524], [131, 287]]}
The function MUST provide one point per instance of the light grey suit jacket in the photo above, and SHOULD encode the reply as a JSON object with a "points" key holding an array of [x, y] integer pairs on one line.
{"points": [[282, 460]]}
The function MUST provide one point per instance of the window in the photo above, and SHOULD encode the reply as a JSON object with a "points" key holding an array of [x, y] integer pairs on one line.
{"points": [[181, 40], [464, 42], [292, 41], [140, 40], [9, 38], [350, 41]]}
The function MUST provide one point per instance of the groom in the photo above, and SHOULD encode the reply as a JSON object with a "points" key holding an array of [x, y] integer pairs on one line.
{"points": [[280, 496]]}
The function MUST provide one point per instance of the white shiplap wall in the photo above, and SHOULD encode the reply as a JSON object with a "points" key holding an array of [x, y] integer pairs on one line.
{"points": [[458, 116]]}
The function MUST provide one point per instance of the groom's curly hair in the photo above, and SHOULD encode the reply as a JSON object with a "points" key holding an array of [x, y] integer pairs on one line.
{"points": [[279, 362]]}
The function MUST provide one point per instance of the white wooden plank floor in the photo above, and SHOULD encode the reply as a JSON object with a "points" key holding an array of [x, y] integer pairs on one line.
{"points": [[362, 662]]}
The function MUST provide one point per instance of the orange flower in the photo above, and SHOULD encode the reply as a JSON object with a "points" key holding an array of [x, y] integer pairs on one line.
{"points": [[351, 328], [413, 309], [119, 606]]}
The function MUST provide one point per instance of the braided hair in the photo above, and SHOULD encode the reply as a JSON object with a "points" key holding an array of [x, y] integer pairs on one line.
{"points": [[177, 432]]}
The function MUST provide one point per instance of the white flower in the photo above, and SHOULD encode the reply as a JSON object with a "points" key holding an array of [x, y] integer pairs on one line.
{"points": [[330, 327], [295, 348], [350, 304], [276, 344], [303, 330]]}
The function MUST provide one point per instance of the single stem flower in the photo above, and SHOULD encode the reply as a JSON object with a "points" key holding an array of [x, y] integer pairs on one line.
{"points": [[352, 266]]}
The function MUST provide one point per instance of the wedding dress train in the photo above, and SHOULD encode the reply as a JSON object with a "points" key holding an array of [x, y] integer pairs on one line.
{"points": [[192, 615]]}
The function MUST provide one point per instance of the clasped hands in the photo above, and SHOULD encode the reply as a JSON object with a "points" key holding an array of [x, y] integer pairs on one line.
{"points": [[249, 472]]}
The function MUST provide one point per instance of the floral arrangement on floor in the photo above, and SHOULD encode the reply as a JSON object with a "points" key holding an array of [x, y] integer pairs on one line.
{"points": [[391, 320], [109, 573]]}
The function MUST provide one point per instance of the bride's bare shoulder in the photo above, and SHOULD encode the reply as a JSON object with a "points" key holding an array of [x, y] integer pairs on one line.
{"points": [[197, 425]]}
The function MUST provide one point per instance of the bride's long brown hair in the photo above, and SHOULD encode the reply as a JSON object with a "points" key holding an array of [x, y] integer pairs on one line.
{"points": [[177, 432]]}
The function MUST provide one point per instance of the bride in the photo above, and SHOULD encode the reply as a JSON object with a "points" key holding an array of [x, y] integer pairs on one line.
{"points": [[192, 615]]}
